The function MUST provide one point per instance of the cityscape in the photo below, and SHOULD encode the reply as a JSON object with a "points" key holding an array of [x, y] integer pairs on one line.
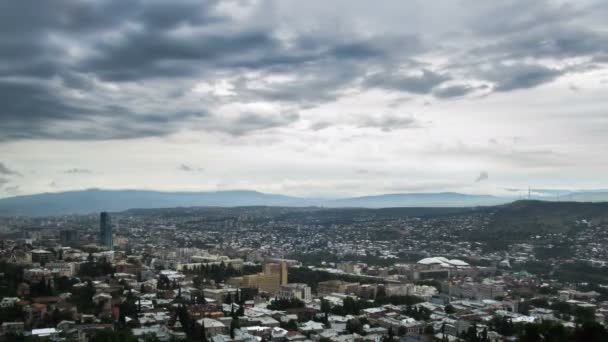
{"points": [[303, 171], [299, 274]]}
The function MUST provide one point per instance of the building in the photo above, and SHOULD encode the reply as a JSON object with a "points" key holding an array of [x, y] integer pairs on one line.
{"points": [[295, 290], [336, 286], [15, 328], [68, 236], [105, 231], [62, 269], [36, 275], [41, 256], [8, 302], [212, 326], [219, 295], [271, 278]]}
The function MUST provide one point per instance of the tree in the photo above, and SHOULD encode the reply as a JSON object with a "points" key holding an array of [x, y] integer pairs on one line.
{"points": [[354, 326], [449, 309], [292, 325], [471, 334], [350, 306], [234, 324], [531, 333], [325, 308], [228, 299], [484, 335], [391, 334], [380, 292], [591, 331], [284, 304]]}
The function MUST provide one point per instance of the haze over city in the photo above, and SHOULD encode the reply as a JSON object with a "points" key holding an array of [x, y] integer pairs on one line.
{"points": [[303, 98]]}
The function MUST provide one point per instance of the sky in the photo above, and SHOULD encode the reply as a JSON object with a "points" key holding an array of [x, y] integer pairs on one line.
{"points": [[307, 98]]}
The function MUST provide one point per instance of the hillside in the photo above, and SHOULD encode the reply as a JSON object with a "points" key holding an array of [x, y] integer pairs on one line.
{"points": [[442, 199], [89, 201], [539, 216]]}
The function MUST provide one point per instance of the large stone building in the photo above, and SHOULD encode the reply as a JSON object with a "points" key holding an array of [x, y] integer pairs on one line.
{"points": [[336, 286], [295, 290], [272, 277]]}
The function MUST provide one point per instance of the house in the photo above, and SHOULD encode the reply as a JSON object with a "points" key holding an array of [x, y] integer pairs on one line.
{"points": [[311, 327], [8, 302], [212, 326]]}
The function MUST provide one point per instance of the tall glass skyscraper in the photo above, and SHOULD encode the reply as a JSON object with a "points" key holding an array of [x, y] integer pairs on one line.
{"points": [[105, 231]]}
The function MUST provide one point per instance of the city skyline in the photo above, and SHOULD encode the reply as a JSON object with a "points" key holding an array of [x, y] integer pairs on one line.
{"points": [[304, 99]]}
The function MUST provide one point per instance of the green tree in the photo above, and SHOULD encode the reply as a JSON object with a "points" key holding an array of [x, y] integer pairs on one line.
{"points": [[234, 324], [292, 325]]}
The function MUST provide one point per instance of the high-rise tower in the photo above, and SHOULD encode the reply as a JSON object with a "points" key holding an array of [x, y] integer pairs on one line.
{"points": [[105, 231]]}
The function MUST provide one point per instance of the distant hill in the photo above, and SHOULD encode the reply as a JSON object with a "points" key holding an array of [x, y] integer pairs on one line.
{"points": [[591, 196], [442, 199], [89, 201], [94, 200]]}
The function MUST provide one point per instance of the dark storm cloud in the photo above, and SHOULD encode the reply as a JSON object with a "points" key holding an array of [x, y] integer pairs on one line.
{"points": [[33, 111], [454, 91], [5, 170], [151, 54], [500, 18], [521, 76], [558, 42], [422, 83], [249, 121], [59, 58], [136, 41]]}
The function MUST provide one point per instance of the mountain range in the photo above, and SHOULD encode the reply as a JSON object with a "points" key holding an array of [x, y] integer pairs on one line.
{"points": [[95, 200]]}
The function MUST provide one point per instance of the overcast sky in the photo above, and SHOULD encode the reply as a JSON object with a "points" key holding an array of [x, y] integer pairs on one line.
{"points": [[309, 98]]}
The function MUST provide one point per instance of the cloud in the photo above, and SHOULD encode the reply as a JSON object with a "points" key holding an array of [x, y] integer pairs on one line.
{"points": [[521, 76], [77, 170], [483, 175], [4, 170], [421, 82], [122, 70], [389, 123], [3, 181], [190, 168], [37, 110], [457, 90], [12, 190]]}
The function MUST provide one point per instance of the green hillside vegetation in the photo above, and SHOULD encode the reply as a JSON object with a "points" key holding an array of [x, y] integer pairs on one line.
{"points": [[518, 221]]}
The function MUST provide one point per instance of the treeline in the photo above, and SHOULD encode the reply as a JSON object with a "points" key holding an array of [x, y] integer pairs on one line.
{"points": [[312, 278], [93, 269], [351, 306], [549, 331], [562, 310], [281, 304], [220, 272]]}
